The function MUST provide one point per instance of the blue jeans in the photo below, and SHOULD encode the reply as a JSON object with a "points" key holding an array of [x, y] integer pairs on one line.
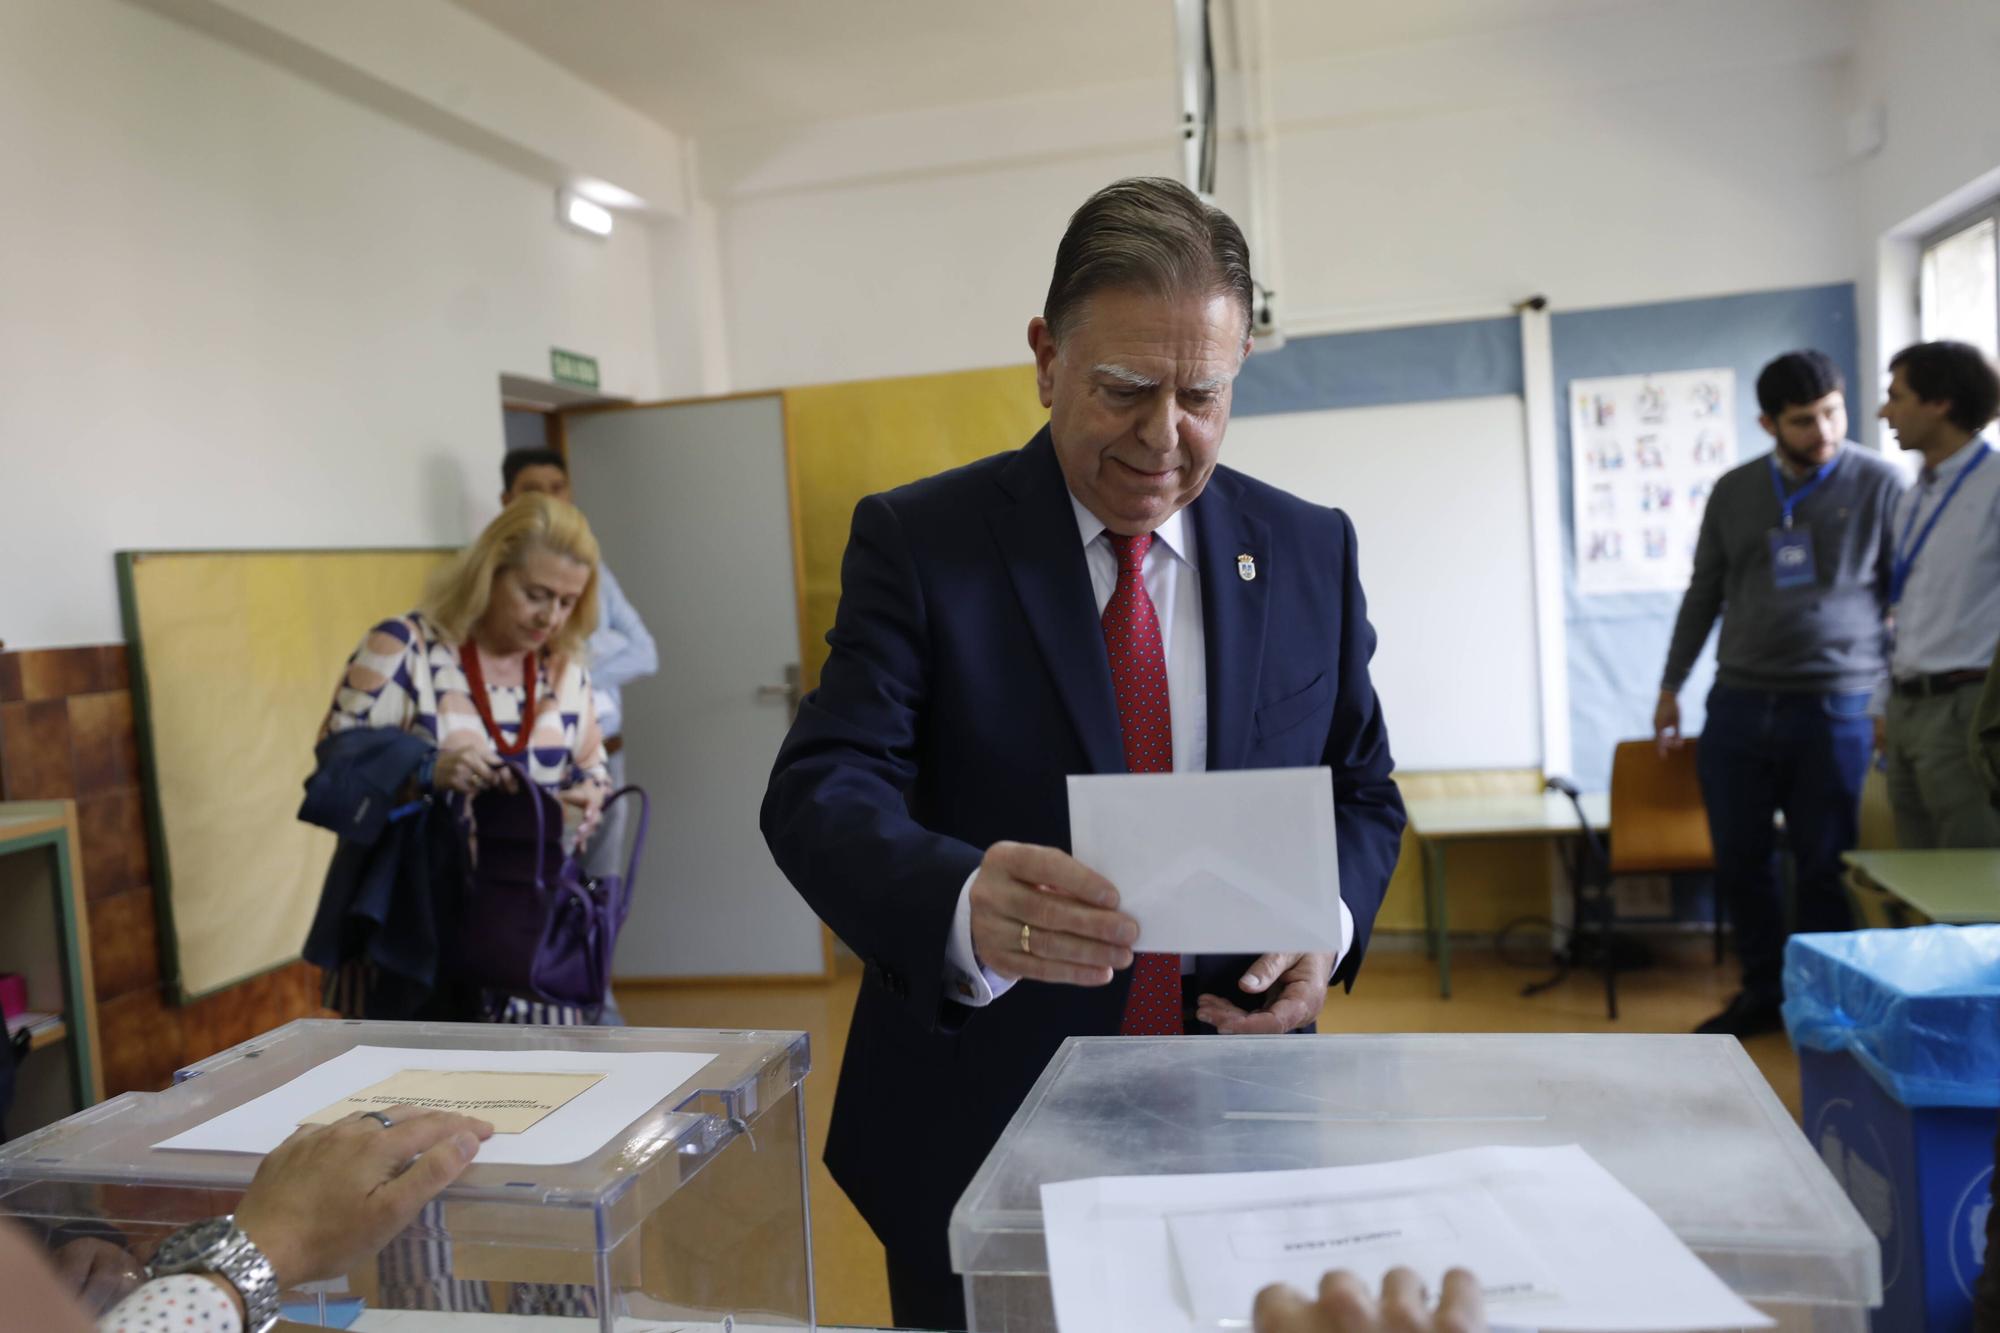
{"points": [[1805, 754]]}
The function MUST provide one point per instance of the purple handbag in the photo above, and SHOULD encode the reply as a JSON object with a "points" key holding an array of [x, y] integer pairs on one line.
{"points": [[534, 924]]}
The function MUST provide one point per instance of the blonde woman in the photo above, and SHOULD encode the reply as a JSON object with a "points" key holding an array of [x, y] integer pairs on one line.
{"points": [[488, 675]]}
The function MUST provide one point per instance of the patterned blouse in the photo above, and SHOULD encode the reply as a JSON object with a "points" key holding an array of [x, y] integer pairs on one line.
{"points": [[407, 675]]}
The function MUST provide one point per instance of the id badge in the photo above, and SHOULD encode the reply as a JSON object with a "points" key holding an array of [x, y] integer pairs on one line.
{"points": [[1792, 558]]}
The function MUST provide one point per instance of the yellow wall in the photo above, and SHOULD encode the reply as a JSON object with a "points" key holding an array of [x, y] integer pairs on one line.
{"points": [[238, 654], [848, 441]]}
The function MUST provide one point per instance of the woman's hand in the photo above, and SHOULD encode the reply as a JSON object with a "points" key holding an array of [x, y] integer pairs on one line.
{"points": [[330, 1196], [586, 797], [470, 769]]}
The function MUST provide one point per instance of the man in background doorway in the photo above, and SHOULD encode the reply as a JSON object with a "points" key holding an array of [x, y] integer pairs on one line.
{"points": [[1794, 553], [1946, 591], [621, 651]]}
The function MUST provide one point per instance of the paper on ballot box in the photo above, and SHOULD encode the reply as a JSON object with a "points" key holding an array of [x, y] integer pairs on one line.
{"points": [[1600, 1259], [1227, 1257], [621, 1087], [1234, 862]]}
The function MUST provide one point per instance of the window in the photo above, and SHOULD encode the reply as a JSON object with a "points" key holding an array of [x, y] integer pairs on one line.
{"points": [[1959, 286]]}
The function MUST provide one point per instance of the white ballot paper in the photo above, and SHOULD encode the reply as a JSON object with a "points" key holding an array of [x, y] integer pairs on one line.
{"points": [[1555, 1240], [631, 1083], [1235, 862]]}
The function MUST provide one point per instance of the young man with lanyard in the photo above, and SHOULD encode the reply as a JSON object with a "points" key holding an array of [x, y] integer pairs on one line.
{"points": [[1794, 553], [1945, 586]]}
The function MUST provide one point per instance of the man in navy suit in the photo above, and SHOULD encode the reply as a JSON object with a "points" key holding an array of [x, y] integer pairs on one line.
{"points": [[1106, 599]]}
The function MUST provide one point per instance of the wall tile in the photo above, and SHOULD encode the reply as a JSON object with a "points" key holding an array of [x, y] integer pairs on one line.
{"points": [[114, 666], [141, 1039], [248, 1010], [124, 943], [103, 743], [57, 673], [113, 829], [34, 751]]}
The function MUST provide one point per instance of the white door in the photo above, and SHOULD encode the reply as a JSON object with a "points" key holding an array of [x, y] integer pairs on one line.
{"points": [[690, 504]]}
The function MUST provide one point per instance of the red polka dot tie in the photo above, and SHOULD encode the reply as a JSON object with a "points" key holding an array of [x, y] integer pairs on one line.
{"points": [[1139, 678]]}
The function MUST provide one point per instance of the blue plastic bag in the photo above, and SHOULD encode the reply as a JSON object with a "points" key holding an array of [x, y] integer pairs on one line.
{"points": [[1918, 1008]]}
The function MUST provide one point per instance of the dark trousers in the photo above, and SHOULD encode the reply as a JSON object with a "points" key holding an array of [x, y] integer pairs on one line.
{"points": [[1807, 755], [924, 1292]]}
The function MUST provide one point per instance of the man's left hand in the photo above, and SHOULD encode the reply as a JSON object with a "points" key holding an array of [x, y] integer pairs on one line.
{"points": [[1294, 989]]}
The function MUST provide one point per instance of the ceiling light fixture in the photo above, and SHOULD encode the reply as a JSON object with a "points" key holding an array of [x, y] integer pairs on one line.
{"points": [[582, 214]]}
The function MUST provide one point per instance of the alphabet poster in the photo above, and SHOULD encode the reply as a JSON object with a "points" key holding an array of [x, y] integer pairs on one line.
{"points": [[1646, 451]]}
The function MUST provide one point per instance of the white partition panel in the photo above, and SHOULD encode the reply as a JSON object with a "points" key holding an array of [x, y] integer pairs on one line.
{"points": [[690, 504], [1439, 497]]}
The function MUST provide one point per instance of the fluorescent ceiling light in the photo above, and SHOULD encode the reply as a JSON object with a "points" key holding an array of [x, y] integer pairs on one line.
{"points": [[604, 192], [584, 215]]}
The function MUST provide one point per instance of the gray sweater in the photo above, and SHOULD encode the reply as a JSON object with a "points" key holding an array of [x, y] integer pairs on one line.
{"points": [[1829, 636]]}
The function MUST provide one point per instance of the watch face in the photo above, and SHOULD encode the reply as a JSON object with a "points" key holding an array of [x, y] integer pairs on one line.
{"points": [[191, 1245]]}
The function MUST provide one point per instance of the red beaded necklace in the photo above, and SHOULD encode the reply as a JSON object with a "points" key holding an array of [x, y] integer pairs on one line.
{"points": [[476, 678]]}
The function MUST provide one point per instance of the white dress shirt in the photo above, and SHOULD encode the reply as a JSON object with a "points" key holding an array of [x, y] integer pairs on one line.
{"points": [[1173, 583]]}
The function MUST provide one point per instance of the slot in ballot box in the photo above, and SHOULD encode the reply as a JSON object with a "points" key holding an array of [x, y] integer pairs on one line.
{"points": [[693, 1209], [1686, 1122]]}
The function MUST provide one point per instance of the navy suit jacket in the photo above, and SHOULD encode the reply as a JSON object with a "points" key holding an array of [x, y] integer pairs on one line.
{"points": [[968, 678]]}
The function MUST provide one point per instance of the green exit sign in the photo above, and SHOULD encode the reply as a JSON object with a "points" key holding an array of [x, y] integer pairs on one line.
{"points": [[573, 368]]}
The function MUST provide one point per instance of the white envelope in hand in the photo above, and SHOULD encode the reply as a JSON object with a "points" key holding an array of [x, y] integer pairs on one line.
{"points": [[1236, 862]]}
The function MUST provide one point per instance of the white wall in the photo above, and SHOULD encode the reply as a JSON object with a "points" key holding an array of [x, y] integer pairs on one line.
{"points": [[238, 309], [1929, 70], [1655, 152]]}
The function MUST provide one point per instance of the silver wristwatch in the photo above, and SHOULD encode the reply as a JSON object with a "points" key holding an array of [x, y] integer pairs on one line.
{"points": [[219, 1246]]}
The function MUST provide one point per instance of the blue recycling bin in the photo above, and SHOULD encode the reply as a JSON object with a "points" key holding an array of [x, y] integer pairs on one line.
{"points": [[1898, 1035]]}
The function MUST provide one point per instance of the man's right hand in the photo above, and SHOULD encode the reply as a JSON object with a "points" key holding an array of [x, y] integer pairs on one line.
{"points": [[1075, 933], [1667, 722]]}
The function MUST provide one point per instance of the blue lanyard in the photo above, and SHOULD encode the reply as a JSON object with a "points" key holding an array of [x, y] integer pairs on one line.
{"points": [[1906, 554], [1787, 503]]}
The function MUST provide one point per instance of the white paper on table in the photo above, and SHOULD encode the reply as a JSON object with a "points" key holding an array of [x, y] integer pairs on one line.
{"points": [[1235, 862], [1614, 1265], [634, 1083], [1225, 1258]]}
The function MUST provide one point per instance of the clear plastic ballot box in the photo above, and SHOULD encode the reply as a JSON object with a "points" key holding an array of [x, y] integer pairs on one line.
{"points": [[1687, 1123], [693, 1210]]}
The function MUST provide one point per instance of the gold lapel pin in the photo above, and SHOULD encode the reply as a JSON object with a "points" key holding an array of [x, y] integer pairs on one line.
{"points": [[1246, 567]]}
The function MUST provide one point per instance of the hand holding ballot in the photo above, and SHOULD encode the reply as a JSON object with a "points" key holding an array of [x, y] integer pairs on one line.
{"points": [[1346, 1306], [330, 1196], [1041, 914]]}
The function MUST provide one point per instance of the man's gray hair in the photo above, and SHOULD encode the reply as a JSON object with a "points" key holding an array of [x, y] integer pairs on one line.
{"points": [[1148, 234]]}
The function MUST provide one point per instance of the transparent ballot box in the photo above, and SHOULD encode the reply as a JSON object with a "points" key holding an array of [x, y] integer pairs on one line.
{"points": [[693, 1212], [1685, 1122]]}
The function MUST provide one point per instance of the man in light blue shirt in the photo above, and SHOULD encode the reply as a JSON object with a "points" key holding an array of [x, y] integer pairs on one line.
{"points": [[621, 651], [1945, 593]]}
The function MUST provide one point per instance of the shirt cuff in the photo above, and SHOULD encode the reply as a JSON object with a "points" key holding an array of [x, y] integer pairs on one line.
{"points": [[171, 1305], [965, 980]]}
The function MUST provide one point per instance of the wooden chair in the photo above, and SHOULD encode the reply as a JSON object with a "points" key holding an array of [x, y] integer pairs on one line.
{"points": [[1659, 826]]}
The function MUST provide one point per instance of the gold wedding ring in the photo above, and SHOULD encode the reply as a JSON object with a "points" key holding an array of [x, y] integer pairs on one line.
{"points": [[1025, 928]]}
